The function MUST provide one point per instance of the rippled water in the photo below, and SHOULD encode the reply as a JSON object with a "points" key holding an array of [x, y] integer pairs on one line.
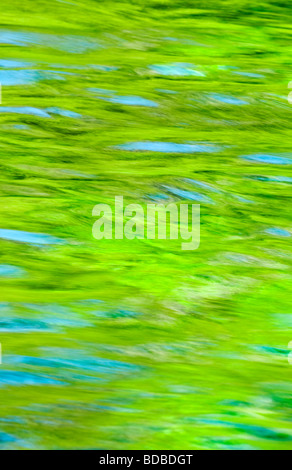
{"points": [[122, 344]]}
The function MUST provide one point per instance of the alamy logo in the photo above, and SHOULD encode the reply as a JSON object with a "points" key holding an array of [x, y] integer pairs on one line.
{"points": [[290, 353], [290, 94], [172, 222]]}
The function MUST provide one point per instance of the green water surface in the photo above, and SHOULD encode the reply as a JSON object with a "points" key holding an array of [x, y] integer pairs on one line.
{"points": [[136, 344]]}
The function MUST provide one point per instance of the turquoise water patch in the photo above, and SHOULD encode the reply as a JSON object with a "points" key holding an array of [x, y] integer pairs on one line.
{"points": [[5, 437], [158, 197], [59, 322], [188, 195], [101, 91], [249, 74], [227, 67], [24, 318], [176, 70], [71, 44], [201, 184], [131, 101], [278, 232], [168, 92], [227, 99], [28, 77], [280, 179], [22, 325], [12, 38], [22, 127], [17, 378], [169, 147], [104, 68], [28, 237], [260, 432], [24, 110], [7, 270], [63, 112], [19, 77], [14, 64], [275, 179], [242, 199], [270, 350], [98, 365], [271, 159], [55, 315], [118, 313]]}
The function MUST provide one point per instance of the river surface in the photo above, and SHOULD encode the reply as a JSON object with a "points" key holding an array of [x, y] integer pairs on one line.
{"points": [[137, 344]]}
